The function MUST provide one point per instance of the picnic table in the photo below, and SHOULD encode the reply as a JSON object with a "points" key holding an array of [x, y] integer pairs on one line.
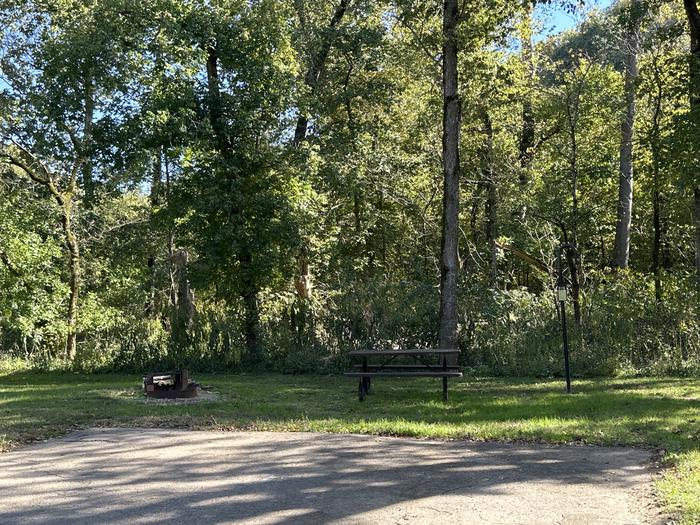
{"points": [[422, 363]]}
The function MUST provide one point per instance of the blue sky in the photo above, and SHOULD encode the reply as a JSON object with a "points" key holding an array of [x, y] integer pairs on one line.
{"points": [[554, 19]]}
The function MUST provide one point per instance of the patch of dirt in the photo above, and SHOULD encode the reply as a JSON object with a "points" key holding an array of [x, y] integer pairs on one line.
{"points": [[137, 395], [202, 395]]}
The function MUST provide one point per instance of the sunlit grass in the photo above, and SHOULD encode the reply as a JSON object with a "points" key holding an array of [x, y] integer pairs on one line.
{"points": [[663, 413]]}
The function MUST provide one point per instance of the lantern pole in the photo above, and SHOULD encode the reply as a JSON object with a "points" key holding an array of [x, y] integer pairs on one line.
{"points": [[561, 297]]}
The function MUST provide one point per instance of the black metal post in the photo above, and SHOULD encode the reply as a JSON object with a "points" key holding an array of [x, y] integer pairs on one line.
{"points": [[561, 285], [566, 347], [444, 378], [365, 379]]}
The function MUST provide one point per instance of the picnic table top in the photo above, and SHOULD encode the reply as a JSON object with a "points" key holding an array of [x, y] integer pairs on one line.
{"points": [[412, 352]]}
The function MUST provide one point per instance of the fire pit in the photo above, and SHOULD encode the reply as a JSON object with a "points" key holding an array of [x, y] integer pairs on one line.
{"points": [[170, 385]]}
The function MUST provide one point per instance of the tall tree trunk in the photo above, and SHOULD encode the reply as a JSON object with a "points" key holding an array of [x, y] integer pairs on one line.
{"points": [[66, 202], [476, 200], [252, 324], [697, 233], [87, 167], [155, 197], [182, 318], [527, 132], [249, 289], [656, 250], [157, 180], [574, 261], [74, 276], [361, 241], [626, 183], [382, 226], [693, 14], [214, 101], [172, 274], [491, 200], [656, 185], [251, 318], [316, 65], [449, 258]]}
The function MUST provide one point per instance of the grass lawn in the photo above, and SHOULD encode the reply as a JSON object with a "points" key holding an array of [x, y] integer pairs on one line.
{"points": [[657, 412]]}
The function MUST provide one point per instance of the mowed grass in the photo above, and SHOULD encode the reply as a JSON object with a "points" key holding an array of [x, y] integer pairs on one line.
{"points": [[663, 413]]}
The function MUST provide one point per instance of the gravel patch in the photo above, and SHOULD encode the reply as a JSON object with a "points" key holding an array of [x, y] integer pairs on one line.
{"points": [[151, 476]]}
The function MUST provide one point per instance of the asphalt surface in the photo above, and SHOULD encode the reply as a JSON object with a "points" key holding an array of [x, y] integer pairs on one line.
{"points": [[140, 476]]}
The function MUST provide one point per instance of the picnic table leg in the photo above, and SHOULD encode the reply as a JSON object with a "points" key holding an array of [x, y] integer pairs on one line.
{"points": [[361, 389], [444, 378], [367, 380]]}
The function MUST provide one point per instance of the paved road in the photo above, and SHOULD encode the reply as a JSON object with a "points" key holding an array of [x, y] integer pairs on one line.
{"points": [[137, 476]]}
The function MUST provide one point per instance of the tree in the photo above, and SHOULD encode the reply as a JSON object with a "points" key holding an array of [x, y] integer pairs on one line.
{"points": [[230, 150], [449, 258], [234, 199], [626, 183], [526, 144], [60, 69], [31, 259], [62, 187], [693, 15], [318, 54], [663, 81]]}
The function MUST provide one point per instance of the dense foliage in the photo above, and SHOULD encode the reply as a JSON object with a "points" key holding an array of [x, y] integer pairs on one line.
{"points": [[258, 183]]}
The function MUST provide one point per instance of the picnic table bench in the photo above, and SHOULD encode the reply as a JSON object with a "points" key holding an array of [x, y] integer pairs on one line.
{"points": [[421, 366]]}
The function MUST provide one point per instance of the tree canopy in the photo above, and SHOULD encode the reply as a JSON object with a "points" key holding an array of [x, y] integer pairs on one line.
{"points": [[262, 183]]}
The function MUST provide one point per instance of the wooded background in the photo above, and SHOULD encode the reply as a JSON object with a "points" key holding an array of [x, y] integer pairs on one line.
{"points": [[235, 183]]}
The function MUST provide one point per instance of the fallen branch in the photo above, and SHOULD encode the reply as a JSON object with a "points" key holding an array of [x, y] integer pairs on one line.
{"points": [[524, 256]]}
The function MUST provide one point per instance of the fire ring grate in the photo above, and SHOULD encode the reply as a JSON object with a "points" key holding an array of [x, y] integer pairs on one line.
{"points": [[170, 385]]}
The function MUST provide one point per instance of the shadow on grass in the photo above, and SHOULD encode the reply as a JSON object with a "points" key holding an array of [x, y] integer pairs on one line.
{"points": [[630, 411]]}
